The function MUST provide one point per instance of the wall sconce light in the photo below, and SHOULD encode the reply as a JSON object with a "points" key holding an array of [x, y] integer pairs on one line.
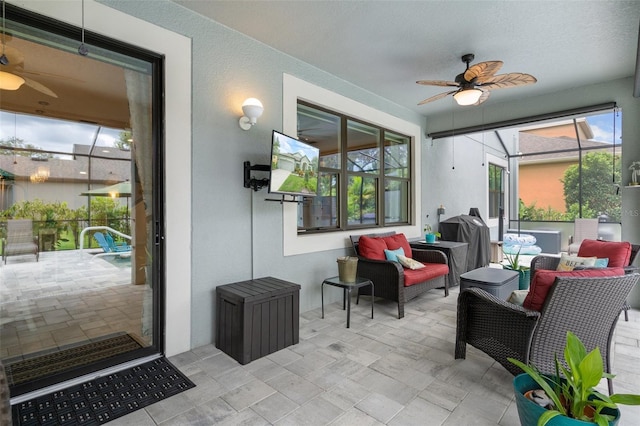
{"points": [[252, 109], [467, 96]]}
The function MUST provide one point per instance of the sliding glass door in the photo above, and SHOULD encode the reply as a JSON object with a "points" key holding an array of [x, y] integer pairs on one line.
{"points": [[80, 197]]}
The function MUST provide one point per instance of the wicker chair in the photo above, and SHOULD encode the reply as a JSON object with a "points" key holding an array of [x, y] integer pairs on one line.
{"points": [[589, 307], [551, 263], [388, 277]]}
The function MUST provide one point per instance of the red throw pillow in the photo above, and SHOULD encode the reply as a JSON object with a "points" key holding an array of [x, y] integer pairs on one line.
{"points": [[372, 248], [396, 241], [544, 279], [619, 253]]}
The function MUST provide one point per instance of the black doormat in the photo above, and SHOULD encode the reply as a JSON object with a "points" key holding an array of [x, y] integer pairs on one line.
{"points": [[106, 398], [40, 365]]}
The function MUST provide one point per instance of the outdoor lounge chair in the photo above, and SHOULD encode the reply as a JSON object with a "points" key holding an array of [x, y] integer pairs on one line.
{"points": [[587, 306], [619, 254], [394, 282], [20, 239], [583, 229], [107, 244]]}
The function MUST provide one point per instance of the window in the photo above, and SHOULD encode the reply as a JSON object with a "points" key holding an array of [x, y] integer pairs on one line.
{"points": [[364, 172], [496, 190]]}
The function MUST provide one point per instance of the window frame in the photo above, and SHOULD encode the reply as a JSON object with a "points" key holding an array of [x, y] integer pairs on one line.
{"points": [[294, 89], [344, 174], [492, 193]]}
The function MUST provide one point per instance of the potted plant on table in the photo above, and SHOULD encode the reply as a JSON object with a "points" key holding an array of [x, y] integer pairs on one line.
{"points": [[429, 235], [513, 263], [573, 395]]}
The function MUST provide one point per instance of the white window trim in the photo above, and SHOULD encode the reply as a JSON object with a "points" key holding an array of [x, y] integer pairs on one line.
{"points": [[493, 222], [293, 89]]}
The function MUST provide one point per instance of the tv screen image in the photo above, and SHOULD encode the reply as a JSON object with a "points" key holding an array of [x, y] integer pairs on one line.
{"points": [[294, 166]]}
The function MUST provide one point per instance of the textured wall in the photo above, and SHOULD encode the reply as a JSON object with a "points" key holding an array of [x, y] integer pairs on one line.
{"points": [[236, 234]]}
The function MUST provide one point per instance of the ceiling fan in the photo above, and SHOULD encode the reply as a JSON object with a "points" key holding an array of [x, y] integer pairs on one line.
{"points": [[476, 82], [12, 66], [12, 72]]}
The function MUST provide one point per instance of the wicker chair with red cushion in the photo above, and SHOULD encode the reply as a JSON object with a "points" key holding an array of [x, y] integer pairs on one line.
{"points": [[619, 253], [391, 280], [587, 305]]}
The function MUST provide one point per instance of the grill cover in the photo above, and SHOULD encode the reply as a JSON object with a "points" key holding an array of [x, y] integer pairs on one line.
{"points": [[471, 230]]}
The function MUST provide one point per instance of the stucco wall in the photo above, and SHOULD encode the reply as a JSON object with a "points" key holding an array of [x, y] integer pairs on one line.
{"points": [[236, 234]]}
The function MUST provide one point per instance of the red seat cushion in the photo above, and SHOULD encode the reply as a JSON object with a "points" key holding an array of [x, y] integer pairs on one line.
{"points": [[372, 248], [619, 253], [396, 241], [431, 270], [544, 279]]}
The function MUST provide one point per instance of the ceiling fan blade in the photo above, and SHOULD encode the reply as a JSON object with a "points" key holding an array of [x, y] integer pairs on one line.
{"points": [[39, 87], [509, 80], [483, 97], [482, 70], [436, 97], [442, 83], [46, 74]]}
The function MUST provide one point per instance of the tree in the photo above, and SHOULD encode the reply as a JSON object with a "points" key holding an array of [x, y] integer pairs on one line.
{"points": [[14, 142], [599, 195], [125, 140]]}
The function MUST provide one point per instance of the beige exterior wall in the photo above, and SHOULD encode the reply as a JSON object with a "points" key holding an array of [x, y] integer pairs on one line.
{"points": [[542, 183]]}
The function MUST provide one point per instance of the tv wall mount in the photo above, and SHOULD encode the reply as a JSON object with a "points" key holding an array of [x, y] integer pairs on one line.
{"points": [[252, 182], [257, 184]]}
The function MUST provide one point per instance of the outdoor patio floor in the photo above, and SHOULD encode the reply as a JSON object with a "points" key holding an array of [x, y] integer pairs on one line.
{"points": [[64, 299], [380, 371]]}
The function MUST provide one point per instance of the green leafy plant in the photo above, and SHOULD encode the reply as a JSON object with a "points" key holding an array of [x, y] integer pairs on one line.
{"points": [[429, 230], [575, 395], [513, 261]]}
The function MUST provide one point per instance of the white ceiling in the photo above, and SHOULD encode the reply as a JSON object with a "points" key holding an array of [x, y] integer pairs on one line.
{"points": [[385, 46]]}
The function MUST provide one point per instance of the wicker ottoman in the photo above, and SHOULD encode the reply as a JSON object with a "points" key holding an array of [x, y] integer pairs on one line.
{"points": [[499, 282]]}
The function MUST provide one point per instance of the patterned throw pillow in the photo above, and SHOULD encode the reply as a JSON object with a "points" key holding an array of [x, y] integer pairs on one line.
{"points": [[568, 263], [407, 262]]}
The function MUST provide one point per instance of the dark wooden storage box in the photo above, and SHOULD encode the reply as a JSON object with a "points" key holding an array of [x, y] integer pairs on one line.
{"points": [[257, 317]]}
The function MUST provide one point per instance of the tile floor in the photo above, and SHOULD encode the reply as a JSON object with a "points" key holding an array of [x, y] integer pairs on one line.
{"points": [[65, 299], [380, 371]]}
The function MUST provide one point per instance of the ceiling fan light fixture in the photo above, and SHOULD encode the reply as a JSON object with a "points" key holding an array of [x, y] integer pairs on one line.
{"points": [[466, 97], [10, 81]]}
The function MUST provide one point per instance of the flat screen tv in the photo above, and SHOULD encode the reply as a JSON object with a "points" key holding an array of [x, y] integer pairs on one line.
{"points": [[294, 167]]}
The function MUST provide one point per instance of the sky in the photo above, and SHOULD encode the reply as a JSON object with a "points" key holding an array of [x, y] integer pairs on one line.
{"points": [[290, 145], [603, 127], [53, 135]]}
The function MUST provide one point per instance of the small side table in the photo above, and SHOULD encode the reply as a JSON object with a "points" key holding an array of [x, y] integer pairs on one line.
{"points": [[499, 282], [346, 293]]}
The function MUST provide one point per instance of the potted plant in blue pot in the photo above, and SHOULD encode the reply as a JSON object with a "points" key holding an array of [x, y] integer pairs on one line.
{"points": [[513, 263], [429, 235], [569, 397]]}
